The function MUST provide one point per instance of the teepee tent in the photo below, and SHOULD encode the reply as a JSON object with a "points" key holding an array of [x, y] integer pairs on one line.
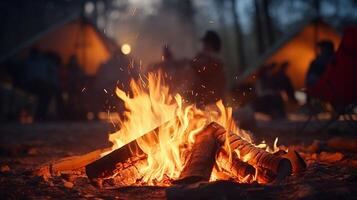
{"points": [[80, 38], [298, 48], [76, 36]]}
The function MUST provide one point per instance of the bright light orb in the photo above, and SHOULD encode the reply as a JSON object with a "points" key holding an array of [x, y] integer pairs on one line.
{"points": [[126, 49]]}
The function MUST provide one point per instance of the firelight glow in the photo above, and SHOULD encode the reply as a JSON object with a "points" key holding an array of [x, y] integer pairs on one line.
{"points": [[125, 49], [151, 105]]}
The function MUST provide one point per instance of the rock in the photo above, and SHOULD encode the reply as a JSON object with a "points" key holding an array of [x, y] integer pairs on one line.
{"points": [[88, 195], [68, 184], [304, 191], [4, 168], [347, 144], [43, 171], [69, 176], [50, 183], [330, 157]]}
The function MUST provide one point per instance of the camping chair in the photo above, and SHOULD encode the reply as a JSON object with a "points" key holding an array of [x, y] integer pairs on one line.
{"points": [[337, 84]]}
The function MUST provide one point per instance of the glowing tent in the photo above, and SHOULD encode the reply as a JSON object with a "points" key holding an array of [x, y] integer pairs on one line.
{"points": [[75, 36], [298, 48]]}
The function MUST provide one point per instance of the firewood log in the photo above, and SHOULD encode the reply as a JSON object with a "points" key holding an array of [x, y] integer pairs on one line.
{"points": [[128, 173], [256, 156], [105, 166], [297, 162], [236, 166], [69, 163], [200, 163], [265, 175]]}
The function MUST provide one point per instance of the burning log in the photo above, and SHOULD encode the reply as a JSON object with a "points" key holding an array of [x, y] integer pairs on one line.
{"points": [[265, 175], [106, 166], [69, 163], [236, 166], [200, 164], [255, 156], [128, 173]]}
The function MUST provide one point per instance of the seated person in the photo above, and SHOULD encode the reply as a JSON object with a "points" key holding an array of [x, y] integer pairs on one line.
{"points": [[318, 65]]}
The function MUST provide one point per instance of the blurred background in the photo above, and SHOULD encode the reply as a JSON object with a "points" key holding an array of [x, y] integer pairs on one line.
{"points": [[62, 59]]}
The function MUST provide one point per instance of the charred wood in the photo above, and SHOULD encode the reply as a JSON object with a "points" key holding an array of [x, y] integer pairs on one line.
{"points": [[235, 166], [200, 163], [297, 162], [106, 166], [256, 156], [265, 175]]}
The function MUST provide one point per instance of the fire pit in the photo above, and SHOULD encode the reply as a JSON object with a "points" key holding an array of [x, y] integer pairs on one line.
{"points": [[164, 141], [167, 148]]}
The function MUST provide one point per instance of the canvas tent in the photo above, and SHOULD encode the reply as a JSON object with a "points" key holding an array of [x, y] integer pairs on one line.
{"points": [[298, 48], [76, 36]]}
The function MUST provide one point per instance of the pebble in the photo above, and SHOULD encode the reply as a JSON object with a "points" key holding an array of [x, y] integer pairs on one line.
{"points": [[68, 184], [69, 177], [5, 168]]}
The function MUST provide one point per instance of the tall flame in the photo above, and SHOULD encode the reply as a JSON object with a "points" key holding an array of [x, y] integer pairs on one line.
{"points": [[150, 106]]}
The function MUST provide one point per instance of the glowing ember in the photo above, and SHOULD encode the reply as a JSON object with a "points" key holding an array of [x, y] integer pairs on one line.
{"points": [[151, 105]]}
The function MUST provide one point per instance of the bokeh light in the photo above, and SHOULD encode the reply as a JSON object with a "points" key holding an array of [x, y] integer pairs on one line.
{"points": [[126, 49]]}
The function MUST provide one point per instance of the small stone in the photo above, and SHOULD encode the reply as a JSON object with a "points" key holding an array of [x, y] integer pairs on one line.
{"points": [[4, 168], [330, 157], [68, 184], [69, 177]]}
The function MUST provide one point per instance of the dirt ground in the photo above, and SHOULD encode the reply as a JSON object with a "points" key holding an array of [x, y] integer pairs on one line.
{"points": [[331, 173]]}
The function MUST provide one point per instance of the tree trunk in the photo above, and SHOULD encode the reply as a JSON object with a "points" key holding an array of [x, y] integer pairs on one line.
{"points": [[268, 23], [239, 36], [258, 28]]}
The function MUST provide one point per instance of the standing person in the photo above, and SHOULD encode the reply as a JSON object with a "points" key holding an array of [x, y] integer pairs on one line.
{"points": [[210, 82]]}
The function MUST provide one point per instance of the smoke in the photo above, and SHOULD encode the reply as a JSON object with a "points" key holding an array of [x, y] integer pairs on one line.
{"points": [[147, 35]]}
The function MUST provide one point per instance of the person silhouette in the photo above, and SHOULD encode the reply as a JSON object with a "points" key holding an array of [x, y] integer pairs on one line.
{"points": [[210, 83]]}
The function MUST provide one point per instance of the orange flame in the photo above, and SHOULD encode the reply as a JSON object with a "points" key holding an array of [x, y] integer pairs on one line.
{"points": [[151, 105]]}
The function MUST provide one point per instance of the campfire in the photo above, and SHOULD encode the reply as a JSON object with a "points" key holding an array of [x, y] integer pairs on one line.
{"points": [[164, 141]]}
